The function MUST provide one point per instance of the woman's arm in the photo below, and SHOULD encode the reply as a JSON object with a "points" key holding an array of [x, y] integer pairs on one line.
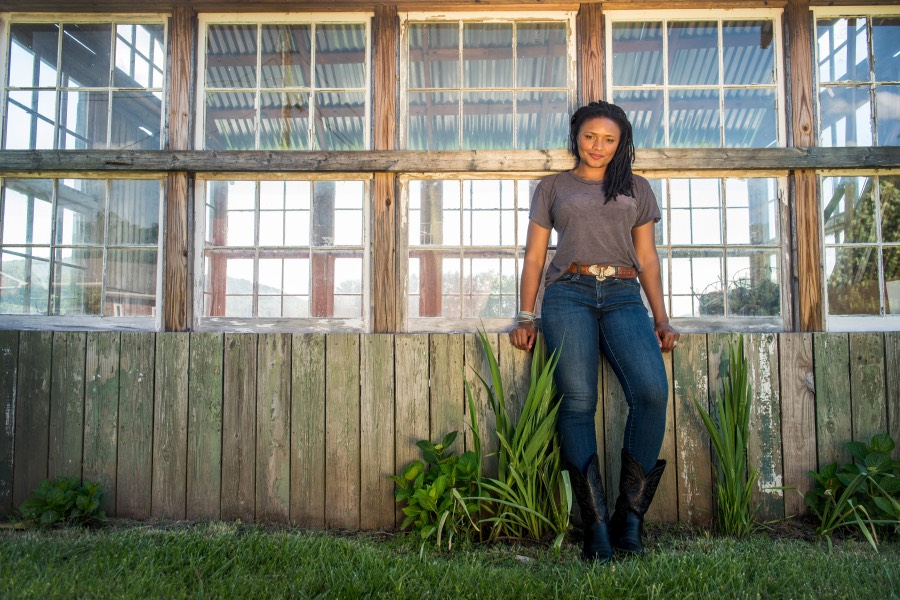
{"points": [[523, 335], [651, 281]]}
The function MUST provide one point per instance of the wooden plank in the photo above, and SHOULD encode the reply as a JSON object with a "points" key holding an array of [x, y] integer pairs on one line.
{"points": [[67, 405], [239, 427], [867, 385], [239, 6], [589, 26], [386, 299], [273, 433], [614, 407], [9, 364], [101, 414], [831, 358], [411, 402], [32, 420], [134, 475], [665, 504], [170, 418], [477, 365], [809, 259], [515, 369], [892, 391], [342, 458], [446, 368], [798, 418], [386, 36], [377, 432], [204, 449], [694, 470], [308, 430], [761, 353]]}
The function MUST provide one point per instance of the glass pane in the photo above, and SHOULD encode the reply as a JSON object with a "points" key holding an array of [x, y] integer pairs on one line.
{"points": [[30, 120], [341, 56], [271, 277], [852, 281], [86, 55], [433, 121], [750, 118], [696, 211], [230, 121], [136, 120], [843, 55], [130, 283], [487, 287], [284, 121], [748, 52], [541, 54], [694, 119], [28, 211], [751, 211], [693, 53], [413, 297], [231, 283], [139, 56], [286, 54], [231, 56], [890, 208], [753, 284], [488, 213], [77, 277], [433, 55], [697, 283], [428, 282], [348, 218], [849, 210], [487, 120], [33, 52], [541, 120], [451, 288], [887, 105], [637, 54], [892, 280], [885, 33], [487, 55], [80, 211], [24, 280], [340, 121], [846, 116], [645, 111], [134, 212], [347, 288], [83, 120]]}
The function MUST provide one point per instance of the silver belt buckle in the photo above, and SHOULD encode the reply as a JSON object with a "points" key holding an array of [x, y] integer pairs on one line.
{"points": [[601, 273]]}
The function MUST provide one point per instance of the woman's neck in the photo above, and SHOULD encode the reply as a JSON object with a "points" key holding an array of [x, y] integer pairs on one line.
{"points": [[586, 172]]}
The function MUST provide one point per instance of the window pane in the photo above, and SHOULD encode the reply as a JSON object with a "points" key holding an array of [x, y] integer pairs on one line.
{"points": [[33, 51], [852, 281], [230, 121], [433, 55], [541, 120], [892, 280], [80, 211], [696, 211], [748, 52], [752, 211], [697, 283], [30, 120], [885, 33], [694, 119], [284, 121], [347, 288], [451, 288], [890, 208], [139, 56], [843, 53], [433, 121], [231, 56], [637, 54], [136, 121], [77, 277], [28, 211], [489, 290], [482, 213], [286, 53], [541, 54], [887, 105], [487, 55], [134, 212], [849, 210], [753, 284], [341, 56], [487, 120], [645, 111], [83, 120], [751, 118], [130, 283], [846, 116], [86, 55], [340, 121], [24, 280], [693, 53]]}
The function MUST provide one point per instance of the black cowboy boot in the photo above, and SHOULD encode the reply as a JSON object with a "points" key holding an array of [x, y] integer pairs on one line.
{"points": [[588, 488], [636, 491]]}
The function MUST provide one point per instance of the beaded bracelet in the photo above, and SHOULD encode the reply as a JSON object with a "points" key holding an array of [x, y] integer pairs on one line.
{"points": [[525, 315]]}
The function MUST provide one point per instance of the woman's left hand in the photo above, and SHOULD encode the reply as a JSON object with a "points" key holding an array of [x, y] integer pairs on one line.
{"points": [[668, 337]]}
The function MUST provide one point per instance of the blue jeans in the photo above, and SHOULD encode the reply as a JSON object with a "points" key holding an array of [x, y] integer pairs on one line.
{"points": [[580, 316]]}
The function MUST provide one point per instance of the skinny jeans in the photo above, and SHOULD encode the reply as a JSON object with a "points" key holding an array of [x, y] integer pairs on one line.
{"points": [[581, 317]]}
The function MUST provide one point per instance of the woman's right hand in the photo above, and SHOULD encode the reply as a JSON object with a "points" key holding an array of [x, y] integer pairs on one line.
{"points": [[523, 336]]}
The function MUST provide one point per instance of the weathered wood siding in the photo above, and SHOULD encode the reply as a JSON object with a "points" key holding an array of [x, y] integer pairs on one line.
{"points": [[307, 428]]}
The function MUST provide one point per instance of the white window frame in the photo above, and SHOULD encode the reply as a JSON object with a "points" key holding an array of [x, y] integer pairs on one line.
{"points": [[883, 322], [718, 15], [407, 18], [284, 18], [283, 324]]}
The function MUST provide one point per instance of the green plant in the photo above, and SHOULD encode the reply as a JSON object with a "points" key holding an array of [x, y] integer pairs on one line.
{"points": [[729, 432], [439, 492], [65, 501], [864, 493], [530, 498]]}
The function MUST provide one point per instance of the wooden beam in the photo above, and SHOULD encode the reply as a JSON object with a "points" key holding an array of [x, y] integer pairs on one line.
{"points": [[126, 6], [589, 26]]}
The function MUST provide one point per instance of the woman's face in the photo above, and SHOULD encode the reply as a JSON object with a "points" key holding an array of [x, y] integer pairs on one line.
{"points": [[598, 140]]}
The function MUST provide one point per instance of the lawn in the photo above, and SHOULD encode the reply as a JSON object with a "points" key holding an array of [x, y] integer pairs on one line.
{"points": [[233, 560]]}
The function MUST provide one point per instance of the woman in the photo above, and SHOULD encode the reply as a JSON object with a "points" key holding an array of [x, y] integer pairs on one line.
{"points": [[604, 218]]}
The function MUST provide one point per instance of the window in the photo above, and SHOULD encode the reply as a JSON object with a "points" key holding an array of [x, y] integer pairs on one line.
{"points": [[283, 249], [85, 85], [722, 249], [80, 247], [861, 219], [486, 83], [285, 84], [696, 79], [858, 67]]}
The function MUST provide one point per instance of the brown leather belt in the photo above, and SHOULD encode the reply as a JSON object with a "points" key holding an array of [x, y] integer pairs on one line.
{"points": [[601, 272]]}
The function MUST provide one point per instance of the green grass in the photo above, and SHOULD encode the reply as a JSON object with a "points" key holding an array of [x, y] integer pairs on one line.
{"points": [[222, 560]]}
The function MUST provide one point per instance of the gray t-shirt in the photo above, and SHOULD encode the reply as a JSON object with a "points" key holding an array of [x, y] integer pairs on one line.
{"points": [[588, 230]]}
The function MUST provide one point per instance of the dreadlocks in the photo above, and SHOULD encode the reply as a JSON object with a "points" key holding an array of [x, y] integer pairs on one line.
{"points": [[618, 178]]}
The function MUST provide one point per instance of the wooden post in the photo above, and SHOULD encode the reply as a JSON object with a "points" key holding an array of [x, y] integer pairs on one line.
{"points": [[589, 33], [9, 363], [799, 28]]}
